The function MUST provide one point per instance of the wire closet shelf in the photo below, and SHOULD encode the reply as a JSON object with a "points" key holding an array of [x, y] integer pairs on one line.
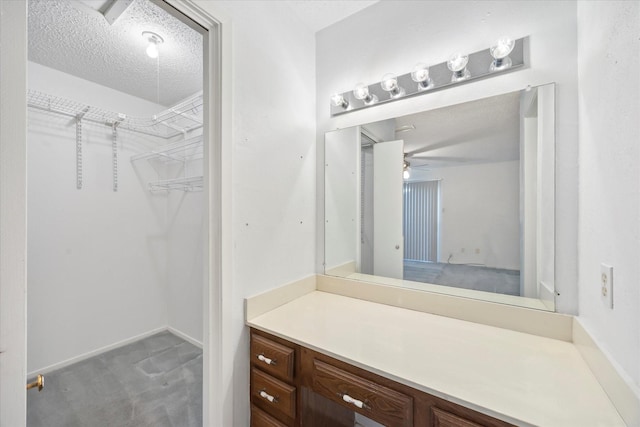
{"points": [[184, 151], [177, 120]]}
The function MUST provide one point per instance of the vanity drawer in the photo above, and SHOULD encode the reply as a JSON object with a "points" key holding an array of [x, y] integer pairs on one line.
{"points": [[367, 397], [447, 419], [260, 418], [272, 357], [273, 393]]}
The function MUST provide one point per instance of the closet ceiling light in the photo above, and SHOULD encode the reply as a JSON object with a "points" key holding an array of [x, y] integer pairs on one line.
{"points": [[154, 41], [406, 170]]}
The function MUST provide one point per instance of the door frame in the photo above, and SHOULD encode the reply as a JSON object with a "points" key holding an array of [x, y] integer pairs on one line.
{"points": [[217, 363], [13, 212]]}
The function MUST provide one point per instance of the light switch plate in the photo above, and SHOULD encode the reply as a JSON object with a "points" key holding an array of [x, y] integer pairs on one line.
{"points": [[606, 285]]}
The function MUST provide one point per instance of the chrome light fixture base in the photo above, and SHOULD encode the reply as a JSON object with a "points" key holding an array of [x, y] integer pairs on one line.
{"points": [[481, 65]]}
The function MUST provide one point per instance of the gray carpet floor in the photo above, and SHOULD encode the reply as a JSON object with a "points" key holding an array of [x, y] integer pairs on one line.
{"points": [[478, 278], [155, 382]]}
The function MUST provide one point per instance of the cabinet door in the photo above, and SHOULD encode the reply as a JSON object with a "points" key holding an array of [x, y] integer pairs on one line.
{"points": [[362, 395], [448, 414], [272, 357], [447, 419], [318, 411], [276, 396], [262, 419]]}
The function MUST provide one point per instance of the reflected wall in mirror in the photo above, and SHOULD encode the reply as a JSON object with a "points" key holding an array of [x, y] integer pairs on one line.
{"points": [[456, 200]]}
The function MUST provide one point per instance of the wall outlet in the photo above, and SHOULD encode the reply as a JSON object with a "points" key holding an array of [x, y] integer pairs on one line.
{"points": [[606, 285]]}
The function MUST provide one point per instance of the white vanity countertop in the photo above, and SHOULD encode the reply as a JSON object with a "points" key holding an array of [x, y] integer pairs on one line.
{"points": [[520, 378]]}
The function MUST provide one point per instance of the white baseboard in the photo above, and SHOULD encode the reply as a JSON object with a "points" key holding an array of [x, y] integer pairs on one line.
{"points": [[92, 353], [185, 337], [89, 354], [620, 389]]}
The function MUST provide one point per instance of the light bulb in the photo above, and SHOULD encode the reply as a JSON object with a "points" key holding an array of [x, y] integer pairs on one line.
{"points": [[420, 75], [500, 52], [406, 174], [152, 50], [389, 83], [339, 101], [502, 48], [154, 41], [458, 64], [361, 92]]}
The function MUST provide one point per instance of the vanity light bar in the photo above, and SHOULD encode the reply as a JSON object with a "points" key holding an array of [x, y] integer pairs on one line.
{"points": [[480, 65]]}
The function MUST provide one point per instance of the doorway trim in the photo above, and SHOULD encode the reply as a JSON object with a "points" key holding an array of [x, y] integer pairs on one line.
{"points": [[217, 363], [13, 212]]}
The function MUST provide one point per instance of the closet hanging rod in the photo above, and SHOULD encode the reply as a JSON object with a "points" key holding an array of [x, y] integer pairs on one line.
{"points": [[179, 119]]}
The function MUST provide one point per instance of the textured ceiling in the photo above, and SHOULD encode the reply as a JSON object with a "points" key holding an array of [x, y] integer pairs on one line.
{"points": [[74, 37], [482, 131]]}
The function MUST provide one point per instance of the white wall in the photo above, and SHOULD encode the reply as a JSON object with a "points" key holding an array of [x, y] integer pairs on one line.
{"points": [[97, 258], [393, 36], [274, 163], [609, 213], [186, 239], [485, 219]]}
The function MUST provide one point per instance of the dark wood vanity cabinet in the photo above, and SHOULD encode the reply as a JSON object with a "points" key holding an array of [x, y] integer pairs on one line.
{"points": [[275, 372], [294, 386]]}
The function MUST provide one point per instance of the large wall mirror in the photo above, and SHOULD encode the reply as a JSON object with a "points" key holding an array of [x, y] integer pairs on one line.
{"points": [[456, 200]]}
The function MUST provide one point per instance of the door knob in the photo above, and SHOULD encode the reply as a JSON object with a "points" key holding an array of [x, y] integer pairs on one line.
{"points": [[39, 382]]}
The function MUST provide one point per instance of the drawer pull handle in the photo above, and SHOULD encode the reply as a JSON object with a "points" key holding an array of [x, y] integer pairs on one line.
{"points": [[267, 396], [263, 358], [353, 401]]}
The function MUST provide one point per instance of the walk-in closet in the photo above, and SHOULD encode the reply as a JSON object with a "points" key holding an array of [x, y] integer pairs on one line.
{"points": [[116, 214]]}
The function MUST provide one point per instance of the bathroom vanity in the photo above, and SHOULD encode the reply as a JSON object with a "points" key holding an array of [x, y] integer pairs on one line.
{"points": [[321, 358], [292, 385]]}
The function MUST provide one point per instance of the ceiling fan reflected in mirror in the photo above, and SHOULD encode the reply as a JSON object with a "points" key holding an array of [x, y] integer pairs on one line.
{"points": [[421, 160], [419, 157]]}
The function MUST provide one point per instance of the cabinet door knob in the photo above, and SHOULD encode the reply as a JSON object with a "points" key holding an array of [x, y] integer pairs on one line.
{"points": [[359, 403], [263, 358], [267, 396]]}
